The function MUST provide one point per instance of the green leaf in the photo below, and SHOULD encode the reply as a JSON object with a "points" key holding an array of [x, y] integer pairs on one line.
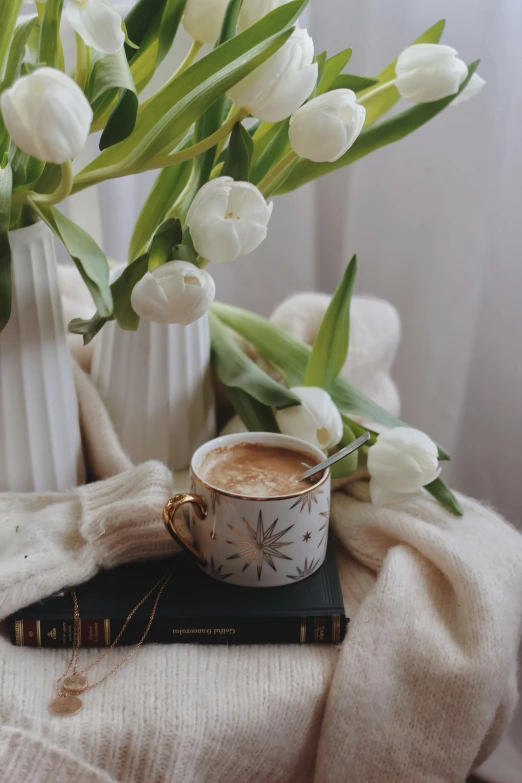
{"points": [[6, 184], [166, 237], [87, 329], [332, 69], [122, 288], [239, 155], [17, 51], [152, 25], [9, 10], [110, 81], [290, 357], [139, 21], [170, 21], [320, 59], [49, 47], [172, 110], [445, 497], [386, 100], [255, 416], [212, 119], [234, 369], [273, 151], [166, 190], [88, 257], [380, 135], [348, 465], [330, 348], [349, 81]]}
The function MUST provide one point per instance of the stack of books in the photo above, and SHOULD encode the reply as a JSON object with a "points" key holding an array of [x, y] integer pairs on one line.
{"points": [[194, 608]]}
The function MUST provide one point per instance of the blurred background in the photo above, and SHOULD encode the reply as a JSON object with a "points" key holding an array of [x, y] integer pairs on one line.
{"points": [[435, 221]]}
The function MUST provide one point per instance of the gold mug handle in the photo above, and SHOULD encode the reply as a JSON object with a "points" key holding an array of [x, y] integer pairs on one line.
{"points": [[169, 518]]}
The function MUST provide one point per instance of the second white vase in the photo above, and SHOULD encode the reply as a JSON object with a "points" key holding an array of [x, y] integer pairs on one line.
{"points": [[157, 386]]}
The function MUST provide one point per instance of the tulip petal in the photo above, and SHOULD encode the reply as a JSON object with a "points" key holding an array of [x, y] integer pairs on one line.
{"points": [[381, 496], [474, 86], [97, 23], [149, 301], [47, 115], [203, 19]]}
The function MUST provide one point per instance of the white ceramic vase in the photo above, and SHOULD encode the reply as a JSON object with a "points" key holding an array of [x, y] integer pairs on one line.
{"points": [[157, 386], [40, 443]]}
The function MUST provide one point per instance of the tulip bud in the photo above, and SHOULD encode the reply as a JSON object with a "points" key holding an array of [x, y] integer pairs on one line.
{"points": [[282, 84], [203, 19], [316, 420], [472, 88], [327, 126], [47, 115], [97, 23], [228, 219], [175, 293], [254, 10], [429, 72], [401, 462]]}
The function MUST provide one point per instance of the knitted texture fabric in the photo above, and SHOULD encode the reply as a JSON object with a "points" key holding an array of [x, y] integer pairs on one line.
{"points": [[420, 691]]}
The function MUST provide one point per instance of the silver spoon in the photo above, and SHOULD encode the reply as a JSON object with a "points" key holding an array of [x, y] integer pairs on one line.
{"points": [[336, 457]]}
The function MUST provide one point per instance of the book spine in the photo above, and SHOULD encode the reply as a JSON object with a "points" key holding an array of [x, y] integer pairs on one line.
{"points": [[329, 629]]}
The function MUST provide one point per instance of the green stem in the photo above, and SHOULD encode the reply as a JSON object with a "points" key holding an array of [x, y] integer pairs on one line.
{"points": [[376, 91], [62, 191], [83, 57], [161, 162], [189, 59], [274, 173]]}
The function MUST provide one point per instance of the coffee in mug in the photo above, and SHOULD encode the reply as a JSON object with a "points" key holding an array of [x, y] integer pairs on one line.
{"points": [[258, 469]]}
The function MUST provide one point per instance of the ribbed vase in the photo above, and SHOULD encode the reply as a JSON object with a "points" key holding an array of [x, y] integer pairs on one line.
{"points": [[40, 443], [157, 386]]}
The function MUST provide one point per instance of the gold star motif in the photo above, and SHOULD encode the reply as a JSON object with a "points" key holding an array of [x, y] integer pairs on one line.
{"points": [[305, 571], [307, 500], [307, 537], [217, 500], [259, 545], [216, 572], [324, 528]]}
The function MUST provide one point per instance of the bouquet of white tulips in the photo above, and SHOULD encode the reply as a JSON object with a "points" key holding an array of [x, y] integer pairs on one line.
{"points": [[258, 114]]}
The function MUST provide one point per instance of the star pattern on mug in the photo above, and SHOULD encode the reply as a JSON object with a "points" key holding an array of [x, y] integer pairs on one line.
{"points": [[307, 500], [216, 572], [324, 528], [217, 500], [259, 545], [307, 536], [305, 571]]}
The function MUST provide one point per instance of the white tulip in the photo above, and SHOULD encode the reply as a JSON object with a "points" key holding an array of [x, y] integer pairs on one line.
{"points": [[428, 72], [254, 10], [203, 19], [175, 293], [401, 462], [472, 88], [228, 219], [316, 420], [97, 23], [282, 84], [47, 115], [327, 126]]}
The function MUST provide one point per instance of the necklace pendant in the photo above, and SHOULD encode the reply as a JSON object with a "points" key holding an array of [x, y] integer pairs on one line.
{"points": [[76, 683], [65, 705]]}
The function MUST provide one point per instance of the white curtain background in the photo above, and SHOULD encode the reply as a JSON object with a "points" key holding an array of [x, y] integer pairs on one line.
{"points": [[435, 221]]}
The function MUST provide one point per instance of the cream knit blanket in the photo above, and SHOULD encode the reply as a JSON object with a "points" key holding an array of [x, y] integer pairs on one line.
{"points": [[420, 691]]}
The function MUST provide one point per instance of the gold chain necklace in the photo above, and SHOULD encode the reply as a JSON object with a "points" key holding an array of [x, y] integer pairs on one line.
{"points": [[68, 686]]}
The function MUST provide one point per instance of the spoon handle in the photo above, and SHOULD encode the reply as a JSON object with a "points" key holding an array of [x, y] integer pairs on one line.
{"points": [[336, 457]]}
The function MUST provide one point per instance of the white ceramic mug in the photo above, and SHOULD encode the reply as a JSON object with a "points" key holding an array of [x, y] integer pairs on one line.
{"points": [[253, 542]]}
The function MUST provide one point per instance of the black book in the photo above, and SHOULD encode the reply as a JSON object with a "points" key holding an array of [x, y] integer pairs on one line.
{"points": [[194, 608]]}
